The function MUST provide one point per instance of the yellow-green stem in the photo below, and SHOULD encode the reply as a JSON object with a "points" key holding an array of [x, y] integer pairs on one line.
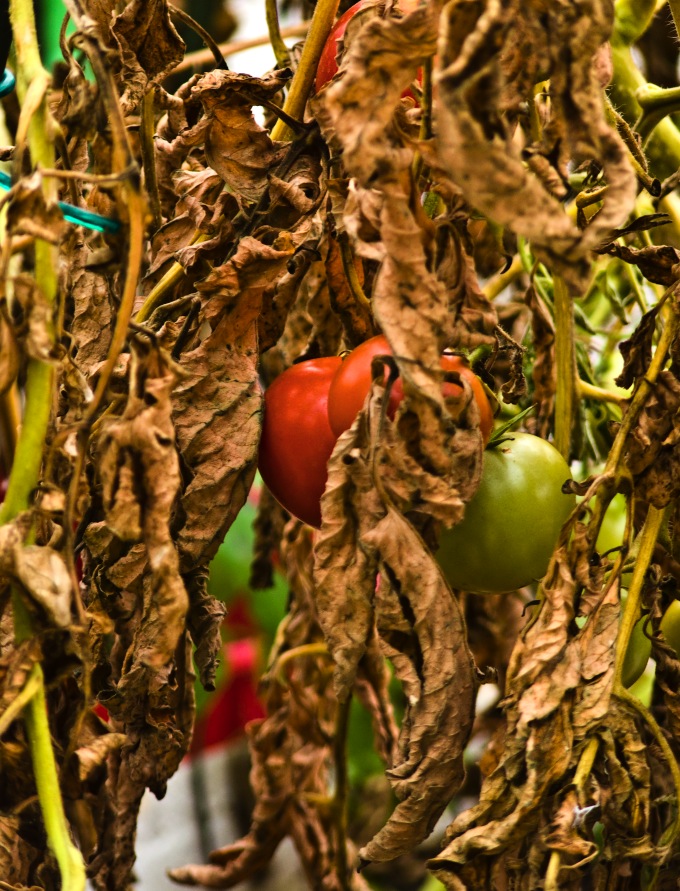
{"points": [[280, 49], [320, 28], [28, 457], [68, 857], [566, 367], [631, 612]]}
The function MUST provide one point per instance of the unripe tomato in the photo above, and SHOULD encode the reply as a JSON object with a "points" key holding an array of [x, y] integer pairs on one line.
{"points": [[352, 382], [328, 65], [637, 655], [297, 440], [512, 523], [670, 625]]}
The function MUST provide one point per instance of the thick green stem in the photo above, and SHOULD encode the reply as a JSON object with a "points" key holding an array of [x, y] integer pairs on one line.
{"points": [[68, 856], [322, 22], [663, 149], [31, 77], [566, 367]]}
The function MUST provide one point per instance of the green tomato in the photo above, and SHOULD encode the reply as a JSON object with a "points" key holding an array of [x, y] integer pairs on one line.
{"points": [[637, 655], [670, 625], [613, 525], [512, 524]]}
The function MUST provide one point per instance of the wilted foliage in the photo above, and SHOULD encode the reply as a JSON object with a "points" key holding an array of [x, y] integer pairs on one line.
{"points": [[478, 176]]}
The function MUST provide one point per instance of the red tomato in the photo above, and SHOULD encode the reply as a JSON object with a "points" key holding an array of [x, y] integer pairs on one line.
{"points": [[328, 65], [352, 382], [297, 440]]}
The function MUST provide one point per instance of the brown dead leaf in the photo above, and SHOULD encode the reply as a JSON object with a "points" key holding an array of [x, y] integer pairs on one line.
{"points": [[236, 146], [490, 60], [657, 263], [139, 469], [653, 454]]}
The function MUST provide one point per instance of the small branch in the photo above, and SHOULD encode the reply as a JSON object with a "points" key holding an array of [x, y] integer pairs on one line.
{"points": [[147, 130], [20, 701], [157, 294], [276, 40], [566, 367], [320, 28], [631, 613], [311, 649], [202, 58], [351, 274], [207, 39], [341, 792], [599, 394], [656, 104], [500, 282]]}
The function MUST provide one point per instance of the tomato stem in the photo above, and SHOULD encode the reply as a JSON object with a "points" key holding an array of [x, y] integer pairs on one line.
{"points": [[294, 106], [565, 360], [274, 28], [341, 792]]}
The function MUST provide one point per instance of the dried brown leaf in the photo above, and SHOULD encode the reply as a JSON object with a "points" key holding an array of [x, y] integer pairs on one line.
{"points": [[490, 59]]}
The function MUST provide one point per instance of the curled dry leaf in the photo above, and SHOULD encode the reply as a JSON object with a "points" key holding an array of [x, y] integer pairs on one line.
{"points": [[653, 453], [490, 56], [236, 147], [291, 751], [140, 480]]}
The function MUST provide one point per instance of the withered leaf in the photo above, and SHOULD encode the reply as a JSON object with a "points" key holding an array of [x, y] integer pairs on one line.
{"points": [[490, 61], [235, 145], [658, 263], [439, 714]]}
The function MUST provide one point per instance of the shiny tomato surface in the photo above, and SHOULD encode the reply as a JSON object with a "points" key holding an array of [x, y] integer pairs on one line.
{"points": [[352, 382], [512, 523], [297, 439]]}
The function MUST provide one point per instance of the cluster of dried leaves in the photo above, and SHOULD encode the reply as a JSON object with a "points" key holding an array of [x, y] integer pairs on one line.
{"points": [[262, 253]]}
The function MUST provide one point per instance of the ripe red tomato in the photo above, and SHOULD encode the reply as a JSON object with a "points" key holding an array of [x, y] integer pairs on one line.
{"points": [[297, 440], [352, 382], [512, 523], [328, 65]]}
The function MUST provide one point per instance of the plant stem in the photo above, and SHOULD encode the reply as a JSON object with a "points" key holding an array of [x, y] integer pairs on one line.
{"points": [[148, 156], [201, 58], [68, 857], [341, 791], [280, 49], [631, 613], [320, 28], [566, 367]]}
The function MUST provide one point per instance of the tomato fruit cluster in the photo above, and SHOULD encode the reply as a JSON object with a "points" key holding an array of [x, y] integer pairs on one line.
{"points": [[512, 523], [310, 404], [351, 383]]}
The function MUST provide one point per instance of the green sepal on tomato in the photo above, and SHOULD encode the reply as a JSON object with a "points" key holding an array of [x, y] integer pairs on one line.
{"points": [[513, 522], [352, 381], [297, 440]]}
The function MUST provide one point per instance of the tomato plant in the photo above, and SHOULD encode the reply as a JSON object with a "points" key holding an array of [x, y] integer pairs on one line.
{"points": [[297, 439], [512, 523], [352, 381], [328, 65]]}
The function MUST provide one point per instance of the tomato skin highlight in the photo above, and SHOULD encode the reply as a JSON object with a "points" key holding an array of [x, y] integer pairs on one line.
{"points": [[352, 382], [297, 440], [512, 523]]}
